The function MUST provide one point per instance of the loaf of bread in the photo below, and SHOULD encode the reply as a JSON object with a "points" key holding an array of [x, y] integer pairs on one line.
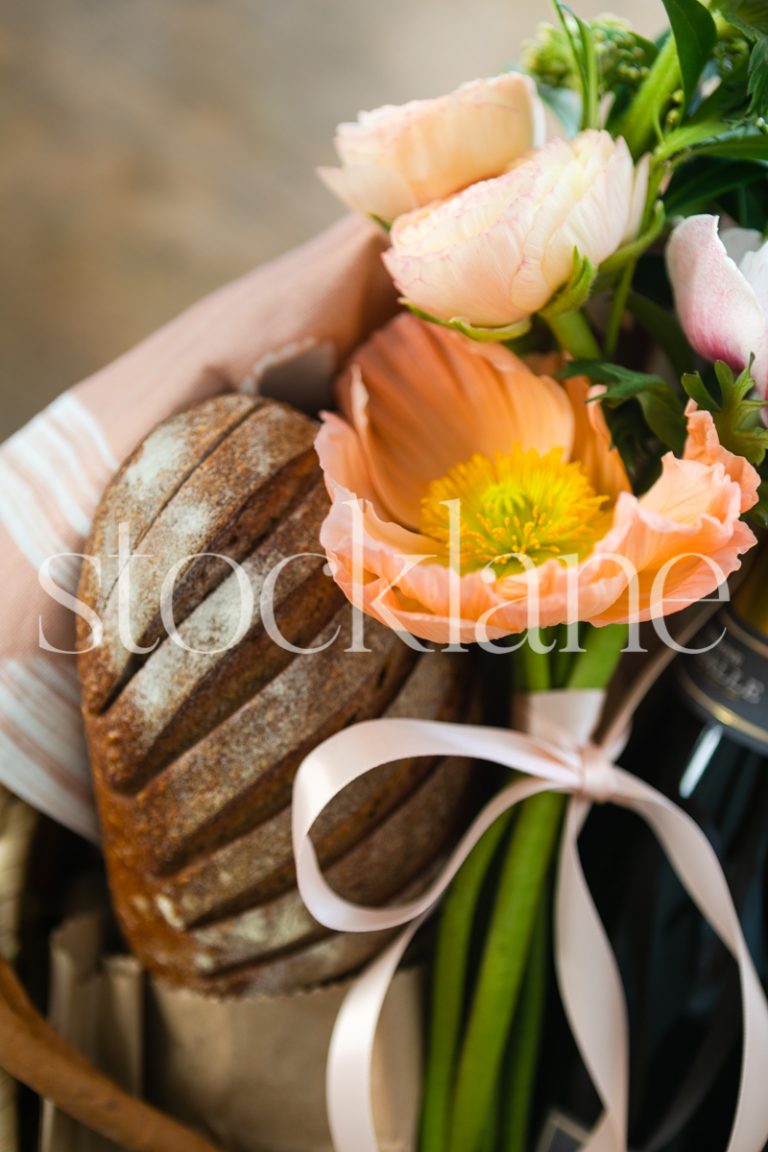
{"points": [[195, 741]]}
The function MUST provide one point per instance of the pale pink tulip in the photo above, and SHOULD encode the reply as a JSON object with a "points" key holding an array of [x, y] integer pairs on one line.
{"points": [[720, 282], [395, 159], [429, 417], [499, 251]]}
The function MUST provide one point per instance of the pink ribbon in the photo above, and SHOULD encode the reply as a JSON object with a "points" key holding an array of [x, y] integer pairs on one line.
{"points": [[587, 971]]}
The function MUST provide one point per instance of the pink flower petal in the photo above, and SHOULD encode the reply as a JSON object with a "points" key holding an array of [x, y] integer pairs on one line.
{"points": [[703, 445], [374, 191], [498, 251], [717, 306], [395, 159]]}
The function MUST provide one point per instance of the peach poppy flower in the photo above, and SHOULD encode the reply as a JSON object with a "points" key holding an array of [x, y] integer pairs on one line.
{"points": [[465, 487]]}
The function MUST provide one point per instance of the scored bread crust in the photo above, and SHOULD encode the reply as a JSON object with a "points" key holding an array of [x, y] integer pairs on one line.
{"points": [[194, 754]]}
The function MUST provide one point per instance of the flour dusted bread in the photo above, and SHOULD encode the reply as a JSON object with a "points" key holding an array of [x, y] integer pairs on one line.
{"points": [[195, 742]]}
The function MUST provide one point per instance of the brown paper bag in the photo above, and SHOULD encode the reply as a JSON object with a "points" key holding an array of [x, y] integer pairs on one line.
{"points": [[98, 1005], [250, 1072]]}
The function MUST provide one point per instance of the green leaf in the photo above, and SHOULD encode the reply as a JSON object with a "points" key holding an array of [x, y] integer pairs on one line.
{"points": [[759, 514], [748, 205], [758, 78], [585, 60], [695, 35], [563, 12], [691, 135], [702, 181], [724, 377], [626, 381], [575, 293], [630, 436], [737, 416], [727, 100], [591, 114], [750, 16], [697, 390], [739, 421], [661, 407], [752, 145], [663, 413], [458, 324]]}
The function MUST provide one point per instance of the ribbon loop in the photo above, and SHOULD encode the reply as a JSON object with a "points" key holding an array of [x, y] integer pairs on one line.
{"points": [[552, 760]]}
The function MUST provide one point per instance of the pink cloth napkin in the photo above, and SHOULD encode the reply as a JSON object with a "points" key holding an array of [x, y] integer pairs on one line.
{"points": [[323, 297]]}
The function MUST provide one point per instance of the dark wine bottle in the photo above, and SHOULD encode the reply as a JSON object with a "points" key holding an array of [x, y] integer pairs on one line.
{"points": [[701, 737]]}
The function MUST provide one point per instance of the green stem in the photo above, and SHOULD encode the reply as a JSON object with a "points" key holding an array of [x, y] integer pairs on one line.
{"points": [[449, 983], [651, 227], [618, 309], [591, 110], [654, 204], [594, 667], [503, 964], [460, 1093], [676, 145], [526, 1040], [492, 1124], [536, 667], [639, 123], [561, 660], [574, 335]]}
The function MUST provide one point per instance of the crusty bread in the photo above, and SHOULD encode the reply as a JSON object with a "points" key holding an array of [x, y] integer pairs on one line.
{"points": [[194, 753]]}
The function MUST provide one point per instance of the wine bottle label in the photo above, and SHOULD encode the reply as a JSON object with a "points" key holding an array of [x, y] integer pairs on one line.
{"points": [[561, 1134], [729, 682]]}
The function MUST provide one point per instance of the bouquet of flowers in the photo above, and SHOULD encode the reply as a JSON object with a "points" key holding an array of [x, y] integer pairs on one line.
{"points": [[556, 437], [559, 437]]}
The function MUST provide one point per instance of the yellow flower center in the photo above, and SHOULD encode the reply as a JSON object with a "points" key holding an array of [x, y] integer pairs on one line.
{"points": [[512, 505]]}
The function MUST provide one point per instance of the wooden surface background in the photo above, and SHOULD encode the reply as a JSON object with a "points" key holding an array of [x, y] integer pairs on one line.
{"points": [[152, 149]]}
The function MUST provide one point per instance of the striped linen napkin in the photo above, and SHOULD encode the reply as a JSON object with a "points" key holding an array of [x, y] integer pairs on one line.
{"points": [[313, 304]]}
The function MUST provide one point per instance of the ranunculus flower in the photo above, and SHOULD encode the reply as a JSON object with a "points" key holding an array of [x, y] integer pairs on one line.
{"points": [[721, 292], [498, 252], [397, 158], [431, 418]]}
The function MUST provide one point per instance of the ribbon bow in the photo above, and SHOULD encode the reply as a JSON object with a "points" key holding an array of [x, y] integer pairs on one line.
{"points": [[588, 975]]}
